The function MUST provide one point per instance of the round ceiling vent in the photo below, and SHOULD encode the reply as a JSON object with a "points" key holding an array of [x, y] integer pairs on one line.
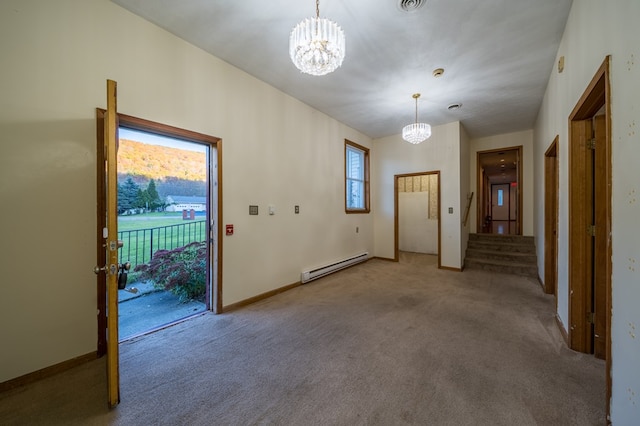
{"points": [[410, 5]]}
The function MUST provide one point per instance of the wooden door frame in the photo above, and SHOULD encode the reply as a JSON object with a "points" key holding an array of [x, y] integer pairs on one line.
{"points": [[169, 131], [551, 190], [101, 255], [396, 250], [480, 187], [597, 95]]}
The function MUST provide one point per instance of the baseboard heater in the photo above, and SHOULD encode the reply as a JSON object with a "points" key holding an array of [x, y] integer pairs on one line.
{"points": [[316, 273]]}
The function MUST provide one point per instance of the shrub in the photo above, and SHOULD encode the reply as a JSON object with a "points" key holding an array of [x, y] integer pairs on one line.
{"points": [[182, 271]]}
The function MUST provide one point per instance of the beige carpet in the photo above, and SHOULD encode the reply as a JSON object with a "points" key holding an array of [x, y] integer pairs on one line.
{"points": [[381, 343]]}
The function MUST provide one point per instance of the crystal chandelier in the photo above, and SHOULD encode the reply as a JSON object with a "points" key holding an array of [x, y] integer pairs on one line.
{"points": [[416, 132], [316, 46]]}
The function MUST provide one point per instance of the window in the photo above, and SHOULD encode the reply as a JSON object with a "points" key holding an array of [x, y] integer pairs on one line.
{"points": [[500, 198], [356, 160]]}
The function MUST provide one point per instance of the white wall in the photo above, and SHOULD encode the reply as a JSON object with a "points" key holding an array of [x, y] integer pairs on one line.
{"points": [[524, 138], [417, 233], [56, 57], [596, 29], [392, 156]]}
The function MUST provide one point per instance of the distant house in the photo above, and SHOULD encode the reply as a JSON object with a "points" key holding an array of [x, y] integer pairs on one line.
{"points": [[178, 203]]}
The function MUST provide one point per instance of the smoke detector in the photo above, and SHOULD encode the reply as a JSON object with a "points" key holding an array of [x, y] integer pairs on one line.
{"points": [[410, 5]]}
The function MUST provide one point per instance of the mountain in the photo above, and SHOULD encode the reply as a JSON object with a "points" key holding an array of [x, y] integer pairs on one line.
{"points": [[160, 162], [175, 171]]}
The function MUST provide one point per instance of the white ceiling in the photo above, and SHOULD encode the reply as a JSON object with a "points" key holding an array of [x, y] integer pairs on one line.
{"points": [[497, 55]]}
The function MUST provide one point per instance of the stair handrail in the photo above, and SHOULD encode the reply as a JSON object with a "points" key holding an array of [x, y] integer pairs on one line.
{"points": [[466, 212]]}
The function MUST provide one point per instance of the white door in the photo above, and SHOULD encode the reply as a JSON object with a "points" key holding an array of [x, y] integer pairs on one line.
{"points": [[500, 202]]}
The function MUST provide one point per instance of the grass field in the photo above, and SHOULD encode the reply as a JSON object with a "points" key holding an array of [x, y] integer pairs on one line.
{"points": [[144, 234], [152, 220]]}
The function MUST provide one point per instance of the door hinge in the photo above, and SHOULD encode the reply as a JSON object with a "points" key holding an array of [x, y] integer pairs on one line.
{"points": [[591, 143], [591, 230], [591, 318]]}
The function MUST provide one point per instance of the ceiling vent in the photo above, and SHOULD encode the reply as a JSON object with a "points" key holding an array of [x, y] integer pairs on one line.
{"points": [[410, 5]]}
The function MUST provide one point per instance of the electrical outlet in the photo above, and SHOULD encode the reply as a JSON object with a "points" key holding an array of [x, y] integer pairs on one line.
{"points": [[297, 209]]}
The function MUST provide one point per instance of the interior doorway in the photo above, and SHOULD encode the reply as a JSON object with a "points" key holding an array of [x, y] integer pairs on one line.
{"points": [[499, 191], [590, 222], [417, 214], [551, 173]]}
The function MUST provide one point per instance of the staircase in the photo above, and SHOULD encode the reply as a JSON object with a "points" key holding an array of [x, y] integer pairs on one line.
{"points": [[509, 254]]}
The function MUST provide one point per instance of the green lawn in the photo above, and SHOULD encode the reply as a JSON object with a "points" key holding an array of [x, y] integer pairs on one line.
{"points": [[151, 228], [151, 220]]}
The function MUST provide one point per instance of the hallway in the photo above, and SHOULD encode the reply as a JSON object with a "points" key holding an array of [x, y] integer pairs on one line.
{"points": [[379, 343], [503, 227]]}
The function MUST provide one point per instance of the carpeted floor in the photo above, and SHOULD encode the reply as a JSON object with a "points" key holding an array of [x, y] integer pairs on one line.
{"points": [[380, 343]]}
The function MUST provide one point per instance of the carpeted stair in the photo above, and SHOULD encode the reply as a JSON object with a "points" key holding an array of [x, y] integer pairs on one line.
{"points": [[509, 254]]}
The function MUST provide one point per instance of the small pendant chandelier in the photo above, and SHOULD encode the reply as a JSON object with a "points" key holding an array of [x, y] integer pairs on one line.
{"points": [[416, 132], [317, 46]]}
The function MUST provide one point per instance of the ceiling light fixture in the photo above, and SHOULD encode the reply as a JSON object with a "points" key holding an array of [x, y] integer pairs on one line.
{"points": [[317, 46], [416, 132]]}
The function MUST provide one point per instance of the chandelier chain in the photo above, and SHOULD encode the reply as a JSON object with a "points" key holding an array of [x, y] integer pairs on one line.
{"points": [[318, 9], [416, 96]]}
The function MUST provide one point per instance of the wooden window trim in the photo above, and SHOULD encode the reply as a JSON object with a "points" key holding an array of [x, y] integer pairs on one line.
{"points": [[366, 208]]}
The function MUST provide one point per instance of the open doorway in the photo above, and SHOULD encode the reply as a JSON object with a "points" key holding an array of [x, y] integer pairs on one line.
{"points": [[499, 191], [417, 217], [551, 181], [163, 204], [168, 220]]}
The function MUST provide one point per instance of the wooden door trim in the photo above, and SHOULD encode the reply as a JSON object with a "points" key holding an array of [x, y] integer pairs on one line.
{"points": [[597, 95], [166, 130], [580, 262], [111, 144], [396, 250], [551, 220], [215, 142], [600, 243], [101, 256]]}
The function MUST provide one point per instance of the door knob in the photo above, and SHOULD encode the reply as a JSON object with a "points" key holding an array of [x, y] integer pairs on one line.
{"points": [[107, 269]]}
